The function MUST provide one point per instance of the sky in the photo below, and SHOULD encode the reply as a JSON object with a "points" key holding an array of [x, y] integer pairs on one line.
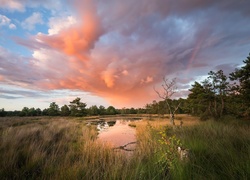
{"points": [[114, 52]]}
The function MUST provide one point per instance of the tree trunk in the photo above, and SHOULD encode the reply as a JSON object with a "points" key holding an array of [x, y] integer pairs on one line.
{"points": [[171, 114], [222, 106], [215, 108], [172, 119], [209, 108]]}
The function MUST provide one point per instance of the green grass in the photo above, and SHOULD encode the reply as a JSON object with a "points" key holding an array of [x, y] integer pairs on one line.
{"points": [[219, 150], [66, 148]]}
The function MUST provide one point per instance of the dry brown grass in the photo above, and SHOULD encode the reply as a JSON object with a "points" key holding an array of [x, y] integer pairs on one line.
{"points": [[158, 123], [56, 148], [65, 148]]}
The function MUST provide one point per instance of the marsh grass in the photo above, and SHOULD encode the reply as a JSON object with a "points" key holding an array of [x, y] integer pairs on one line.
{"points": [[219, 150], [66, 148]]}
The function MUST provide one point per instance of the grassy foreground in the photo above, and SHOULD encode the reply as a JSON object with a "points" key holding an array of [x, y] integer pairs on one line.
{"points": [[65, 148], [218, 150]]}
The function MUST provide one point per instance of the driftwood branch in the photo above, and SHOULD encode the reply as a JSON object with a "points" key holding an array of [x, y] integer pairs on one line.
{"points": [[124, 146]]}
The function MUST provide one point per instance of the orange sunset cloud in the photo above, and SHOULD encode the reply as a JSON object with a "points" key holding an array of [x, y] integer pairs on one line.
{"points": [[120, 50], [121, 81], [78, 39]]}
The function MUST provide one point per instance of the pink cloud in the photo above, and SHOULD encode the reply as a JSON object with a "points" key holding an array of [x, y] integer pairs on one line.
{"points": [[79, 38], [103, 72], [121, 50]]}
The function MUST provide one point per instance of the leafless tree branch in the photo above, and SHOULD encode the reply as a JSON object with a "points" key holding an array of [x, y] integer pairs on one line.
{"points": [[169, 89]]}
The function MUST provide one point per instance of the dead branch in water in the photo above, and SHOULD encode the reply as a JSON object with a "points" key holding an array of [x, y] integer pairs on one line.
{"points": [[124, 146]]}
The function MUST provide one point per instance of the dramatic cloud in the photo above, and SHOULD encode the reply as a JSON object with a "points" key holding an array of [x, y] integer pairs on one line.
{"points": [[57, 24], [120, 50], [79, 39]]}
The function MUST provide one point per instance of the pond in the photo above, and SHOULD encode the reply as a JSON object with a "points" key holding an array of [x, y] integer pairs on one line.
{"points": [[118, 134]]}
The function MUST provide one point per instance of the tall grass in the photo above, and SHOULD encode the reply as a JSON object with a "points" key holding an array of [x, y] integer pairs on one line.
{"points": [[66, 148], [218, 150], [62, 148]]}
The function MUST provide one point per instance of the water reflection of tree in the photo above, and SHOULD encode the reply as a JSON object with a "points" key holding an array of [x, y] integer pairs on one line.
{"points": [[102, 125], [111, 123], [123, 122]]}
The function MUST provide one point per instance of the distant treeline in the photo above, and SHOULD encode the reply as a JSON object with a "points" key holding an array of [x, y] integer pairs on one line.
{"points": [[214, 97], [75, 108]]}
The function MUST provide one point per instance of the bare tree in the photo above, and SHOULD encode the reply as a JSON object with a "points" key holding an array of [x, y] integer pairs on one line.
{"points": [[169, 89]]}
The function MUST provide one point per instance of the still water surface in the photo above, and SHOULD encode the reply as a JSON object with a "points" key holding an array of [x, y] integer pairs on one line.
{"points": [[117, 133]]}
